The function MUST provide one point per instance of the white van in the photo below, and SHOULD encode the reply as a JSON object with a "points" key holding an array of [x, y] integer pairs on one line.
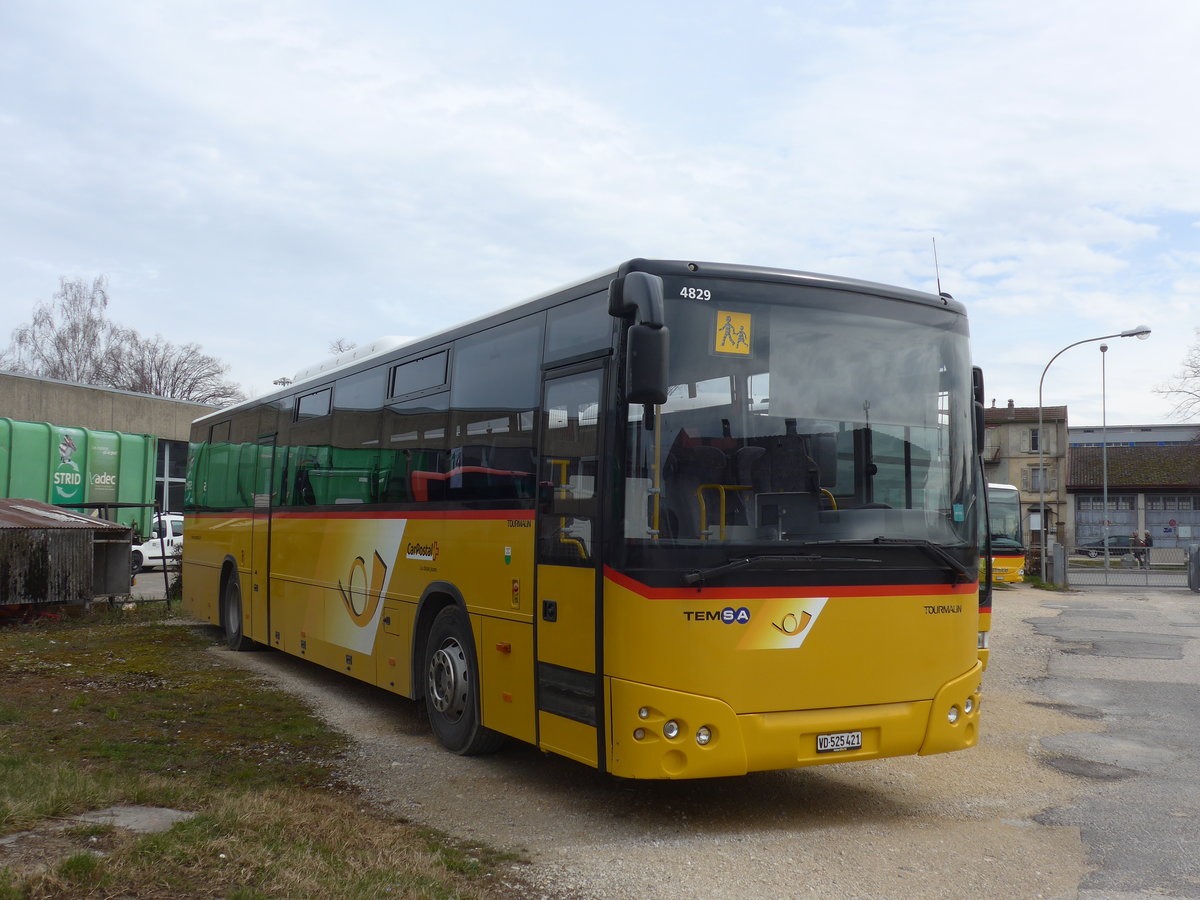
{"points": [[150, 554]]}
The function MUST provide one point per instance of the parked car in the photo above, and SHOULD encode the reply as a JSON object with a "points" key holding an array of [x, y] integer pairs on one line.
{"points": [[1118, 545], [149, 554]]}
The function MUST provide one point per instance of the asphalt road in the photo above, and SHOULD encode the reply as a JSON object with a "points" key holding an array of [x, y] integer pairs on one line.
{"points": [[149, 585], [1128, 660]]}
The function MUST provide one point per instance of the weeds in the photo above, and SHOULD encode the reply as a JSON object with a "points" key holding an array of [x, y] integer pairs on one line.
{"points": [[124, 707]]}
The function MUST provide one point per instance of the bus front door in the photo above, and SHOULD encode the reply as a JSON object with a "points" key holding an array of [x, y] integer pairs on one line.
{"points": [[568, 680]]}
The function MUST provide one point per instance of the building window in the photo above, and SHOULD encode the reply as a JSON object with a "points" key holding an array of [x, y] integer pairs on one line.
{"points": [[1171, 503], [1116, 502], [1031, 478]]}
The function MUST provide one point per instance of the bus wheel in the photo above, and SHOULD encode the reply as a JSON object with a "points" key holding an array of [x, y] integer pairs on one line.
{"points": [[231, 615], [452, 687]]}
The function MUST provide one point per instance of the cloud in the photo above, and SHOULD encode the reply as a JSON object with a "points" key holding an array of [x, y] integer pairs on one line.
{"points": [[263, 178]]}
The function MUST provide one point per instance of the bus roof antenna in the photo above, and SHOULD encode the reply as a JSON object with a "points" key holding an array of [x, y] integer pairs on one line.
{"points": [[937, 274]]}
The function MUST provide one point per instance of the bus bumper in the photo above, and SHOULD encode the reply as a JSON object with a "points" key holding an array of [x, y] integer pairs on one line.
{"points": [[660, 733]]}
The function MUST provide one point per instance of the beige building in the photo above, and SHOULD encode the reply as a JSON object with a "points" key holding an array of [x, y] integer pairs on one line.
{"points": [[1016, 449], [29, 399]]}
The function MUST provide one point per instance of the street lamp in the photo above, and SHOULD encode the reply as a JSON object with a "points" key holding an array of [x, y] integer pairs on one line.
{"points": [[1141, 332], [1104, 450]]}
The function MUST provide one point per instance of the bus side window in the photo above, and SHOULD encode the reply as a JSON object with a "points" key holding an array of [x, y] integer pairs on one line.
{"points": [[494, 392], [413, 447]]}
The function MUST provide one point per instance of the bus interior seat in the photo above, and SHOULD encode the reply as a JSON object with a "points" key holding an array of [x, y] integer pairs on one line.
{"points": [[685, 470], [745, 465], [796, 462], [748, 472], [823, 450]]}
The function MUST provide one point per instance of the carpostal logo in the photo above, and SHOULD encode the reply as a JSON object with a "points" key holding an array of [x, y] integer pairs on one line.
{"points": [[727, 616], [426, 552]]}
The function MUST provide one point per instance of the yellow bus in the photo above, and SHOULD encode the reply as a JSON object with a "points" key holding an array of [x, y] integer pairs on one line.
{"points": [[677, 520], [1007, 535]]}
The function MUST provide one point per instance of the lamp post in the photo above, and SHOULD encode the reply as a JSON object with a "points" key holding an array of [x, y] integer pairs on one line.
{"points": [[1104, 450], [1141, 332]]}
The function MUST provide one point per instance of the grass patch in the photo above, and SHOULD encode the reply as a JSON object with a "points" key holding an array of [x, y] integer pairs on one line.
{"points": [[128, 708], [1036, 582]]}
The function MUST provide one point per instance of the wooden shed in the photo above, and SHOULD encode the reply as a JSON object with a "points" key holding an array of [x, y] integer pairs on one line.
{"points": [[52, 555]]}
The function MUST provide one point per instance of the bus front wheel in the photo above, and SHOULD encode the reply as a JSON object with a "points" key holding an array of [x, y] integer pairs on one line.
{"points": [[231, 615], [452, 686]]}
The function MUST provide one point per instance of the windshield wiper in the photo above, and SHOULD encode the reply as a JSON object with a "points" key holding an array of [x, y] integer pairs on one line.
{"points": [[937, 551], [698, 576]]}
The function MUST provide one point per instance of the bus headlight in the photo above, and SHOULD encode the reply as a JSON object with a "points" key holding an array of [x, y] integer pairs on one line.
{"points": [[703, 735], [671, 729], [952, 716], [968, 705]]}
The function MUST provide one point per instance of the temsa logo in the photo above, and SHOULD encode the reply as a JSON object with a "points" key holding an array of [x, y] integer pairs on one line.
{"points": [[728, 615]]}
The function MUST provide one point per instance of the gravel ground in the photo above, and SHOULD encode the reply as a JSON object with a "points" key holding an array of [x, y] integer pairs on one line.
{"points": [[941, 826]]}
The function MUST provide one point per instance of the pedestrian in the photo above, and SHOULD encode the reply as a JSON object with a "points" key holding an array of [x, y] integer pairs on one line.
{"points": [[1139, 550], [1149, 542]]}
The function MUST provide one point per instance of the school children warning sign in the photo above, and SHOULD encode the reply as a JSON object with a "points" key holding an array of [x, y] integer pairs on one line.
{"points": [[733, 333]]}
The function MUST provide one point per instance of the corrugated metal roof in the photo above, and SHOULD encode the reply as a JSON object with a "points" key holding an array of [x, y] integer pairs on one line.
{"points": [[1143, 467], [18, 513]]}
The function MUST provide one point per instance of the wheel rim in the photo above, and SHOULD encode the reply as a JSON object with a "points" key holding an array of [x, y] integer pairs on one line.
{"points": [[448, 680], [233, 609]]}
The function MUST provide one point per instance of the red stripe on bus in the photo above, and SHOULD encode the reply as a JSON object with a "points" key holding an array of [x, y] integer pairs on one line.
{"points": [[681, 593], [473, 514]]}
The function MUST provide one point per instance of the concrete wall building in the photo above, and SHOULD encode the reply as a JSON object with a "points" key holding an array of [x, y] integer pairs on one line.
{"points": [[1152, 476], [1133, 435]]}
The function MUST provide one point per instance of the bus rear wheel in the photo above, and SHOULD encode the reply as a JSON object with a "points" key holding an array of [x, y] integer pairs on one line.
{"points": [[452, 687], [231, 615]]}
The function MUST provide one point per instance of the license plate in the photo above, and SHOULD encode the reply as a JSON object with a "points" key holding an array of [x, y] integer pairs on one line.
{"points": [[839, 740]]}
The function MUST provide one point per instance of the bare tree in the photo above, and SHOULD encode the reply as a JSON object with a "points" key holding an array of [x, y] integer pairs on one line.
{"points": [[181, 372], [1184, 388], [72, 339], [69, 338], [340, 345]]}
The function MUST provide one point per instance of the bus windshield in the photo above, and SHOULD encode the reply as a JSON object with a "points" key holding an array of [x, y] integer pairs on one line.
{"points": [[801, 415], [1004, 518]]}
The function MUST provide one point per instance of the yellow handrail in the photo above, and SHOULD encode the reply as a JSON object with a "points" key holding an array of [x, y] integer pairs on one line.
{"points": [[721, 490]]}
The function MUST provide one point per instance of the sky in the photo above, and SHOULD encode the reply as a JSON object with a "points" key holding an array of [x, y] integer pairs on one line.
{"points": [[262, 178]]}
